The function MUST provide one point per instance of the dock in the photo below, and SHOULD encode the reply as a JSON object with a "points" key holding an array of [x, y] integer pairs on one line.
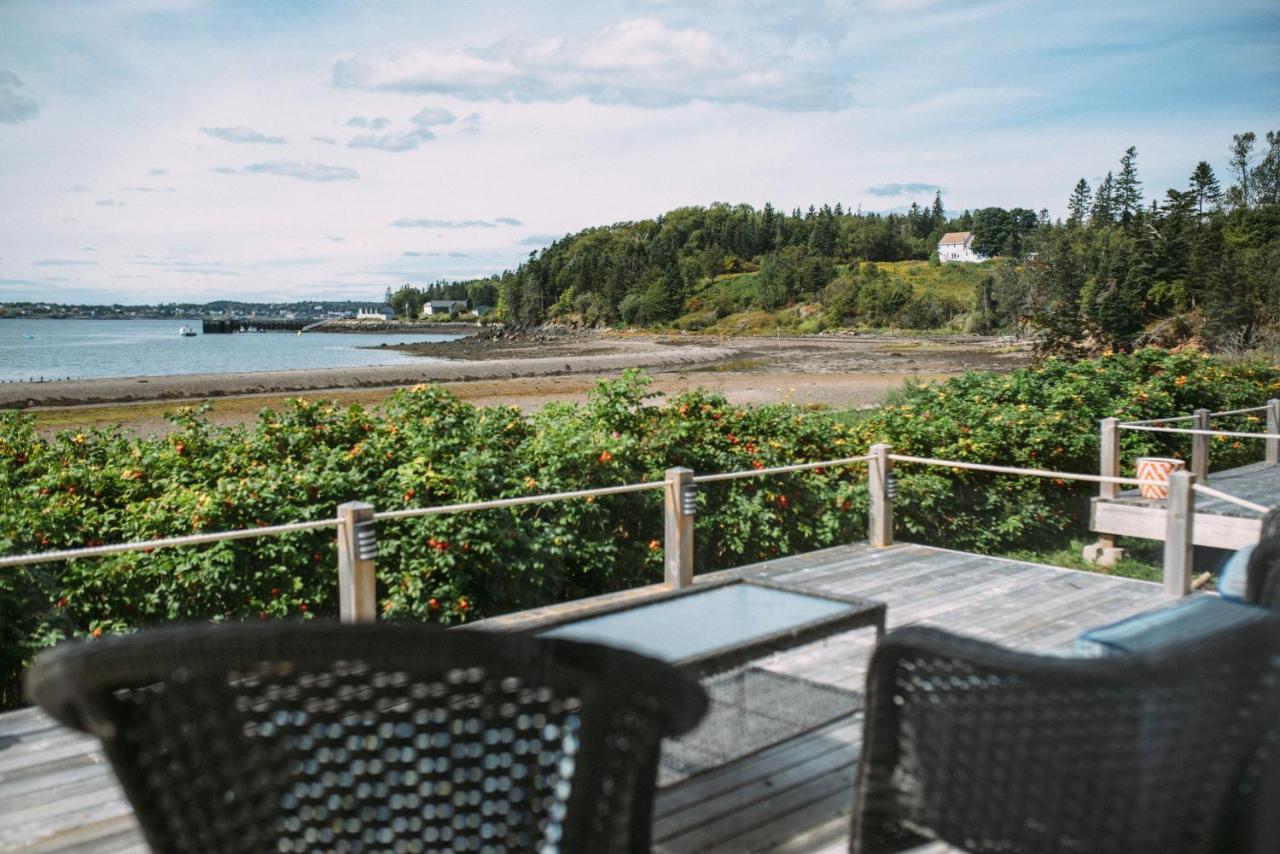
{"points": [[57, 793], [229, 325]]}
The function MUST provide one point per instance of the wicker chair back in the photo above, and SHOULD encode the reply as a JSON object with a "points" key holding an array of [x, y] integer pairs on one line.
{"points": [[303, 737]]}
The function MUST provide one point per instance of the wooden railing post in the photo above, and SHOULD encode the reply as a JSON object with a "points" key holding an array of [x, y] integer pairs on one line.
{"points": [[1179, 534], [357, 548], [880, 520], [1200, 446], [1109, 456], [1273, 427], [1104, 551], [678, 528]]}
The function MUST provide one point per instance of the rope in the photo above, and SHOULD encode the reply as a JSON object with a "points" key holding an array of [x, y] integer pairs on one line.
{"points": [[1262, 408], [513, 502], [1188, 431], [1157, 420], [1089, 478], [1230, 499], [167, 542], [734, 475]]}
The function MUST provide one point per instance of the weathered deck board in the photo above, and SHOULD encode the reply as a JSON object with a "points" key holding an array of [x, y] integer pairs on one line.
{"points": [[56, 794]]}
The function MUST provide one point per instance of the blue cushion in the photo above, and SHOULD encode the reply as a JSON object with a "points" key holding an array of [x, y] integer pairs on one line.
{"points": [[1194, 617], [1235, 575]]}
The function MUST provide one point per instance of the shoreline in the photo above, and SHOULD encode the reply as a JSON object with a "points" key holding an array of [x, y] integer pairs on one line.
{"points": [[529, 371], [180, 387]]}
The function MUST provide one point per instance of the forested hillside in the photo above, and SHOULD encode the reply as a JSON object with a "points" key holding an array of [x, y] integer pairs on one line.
{"points": [[1122, 268]]}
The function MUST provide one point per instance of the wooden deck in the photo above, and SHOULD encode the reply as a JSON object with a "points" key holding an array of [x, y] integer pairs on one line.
{"points": [[1218, 523], [56, 793]]}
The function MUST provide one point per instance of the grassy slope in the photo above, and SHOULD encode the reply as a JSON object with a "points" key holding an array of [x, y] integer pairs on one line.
{"points": [[948, 281]]}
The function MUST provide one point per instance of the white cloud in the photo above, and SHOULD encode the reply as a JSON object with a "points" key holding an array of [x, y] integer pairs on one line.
{"points": [[377, 123], [394, 142], [892, 189], [155, 173], [640, 62], [302, 171], [240, 133], [433, 116], [406, 222], [540, 239], [109, 203], [15, 105]]}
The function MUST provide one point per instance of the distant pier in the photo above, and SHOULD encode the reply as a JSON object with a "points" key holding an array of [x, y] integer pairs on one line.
{"points": [[225, 326]]}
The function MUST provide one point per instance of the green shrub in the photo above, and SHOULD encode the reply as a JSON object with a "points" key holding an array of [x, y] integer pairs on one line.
{"points": [[425, 447]]}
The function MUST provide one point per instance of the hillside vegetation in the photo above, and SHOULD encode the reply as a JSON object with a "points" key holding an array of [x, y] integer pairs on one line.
{"points": [[1121, 270]]}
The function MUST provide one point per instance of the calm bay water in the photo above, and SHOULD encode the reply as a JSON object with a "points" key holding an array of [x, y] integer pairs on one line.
{"points": [[82, 349]]}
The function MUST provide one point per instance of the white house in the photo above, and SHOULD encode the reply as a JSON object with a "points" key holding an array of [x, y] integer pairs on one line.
{"points": [[957, 247], [445, 306], [382, 312]]}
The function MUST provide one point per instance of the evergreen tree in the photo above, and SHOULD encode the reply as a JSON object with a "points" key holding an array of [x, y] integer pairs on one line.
{"points": [[1241, 194], [1128, 189], [1204, 188], [1078, 204], [1266, 175], [939, 212], [1104, 208]]}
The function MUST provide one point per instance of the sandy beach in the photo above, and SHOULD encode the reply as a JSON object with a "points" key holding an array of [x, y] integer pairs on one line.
{"points": [[529, 370]]}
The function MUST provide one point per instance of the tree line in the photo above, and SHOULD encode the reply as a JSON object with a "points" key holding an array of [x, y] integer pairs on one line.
{"points": [[1120, 269], [1123, 269]]}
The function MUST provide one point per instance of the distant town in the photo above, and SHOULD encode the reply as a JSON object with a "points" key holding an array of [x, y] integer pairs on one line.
{"points": [[308, 310]]}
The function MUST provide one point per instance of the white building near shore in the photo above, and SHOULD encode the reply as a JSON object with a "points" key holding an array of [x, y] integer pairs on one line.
{"points": [[956, 247]]}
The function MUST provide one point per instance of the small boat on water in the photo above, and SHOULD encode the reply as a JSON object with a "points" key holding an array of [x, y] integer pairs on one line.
{"points": [[187, 332]]}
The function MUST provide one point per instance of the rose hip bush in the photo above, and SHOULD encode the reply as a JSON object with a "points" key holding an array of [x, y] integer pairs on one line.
{"points": [[422, 447], [425, 447]]}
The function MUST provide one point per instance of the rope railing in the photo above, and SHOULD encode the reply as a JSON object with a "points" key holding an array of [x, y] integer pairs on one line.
{"points": [[166, 542], [357, 544], [1244, 411], [412, 512], [735, 475], [1189, 431], [1230, 499], [1196, 432], [1158, 420], [1048, 473]]}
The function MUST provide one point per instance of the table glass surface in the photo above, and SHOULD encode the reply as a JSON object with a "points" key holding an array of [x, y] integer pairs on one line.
{"points": [[698, 623]]}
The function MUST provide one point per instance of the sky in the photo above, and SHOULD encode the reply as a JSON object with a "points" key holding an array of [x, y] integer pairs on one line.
{"points": [[193, 150]]}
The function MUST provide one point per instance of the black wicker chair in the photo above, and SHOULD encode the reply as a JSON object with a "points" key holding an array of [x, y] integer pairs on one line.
{"points": [[1263, 584], [305, 737], [992, 750]]}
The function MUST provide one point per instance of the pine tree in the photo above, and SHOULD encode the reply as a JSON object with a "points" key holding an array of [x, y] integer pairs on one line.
{"points": [[1128, 189], [1241, 154], [1078, 204], [1266, 175], [1104, 208], [768, 229], [939, 212], [1204, 188]]}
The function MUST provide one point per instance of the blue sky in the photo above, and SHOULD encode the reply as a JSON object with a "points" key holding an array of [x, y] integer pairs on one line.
{"points": [[173, 150]]}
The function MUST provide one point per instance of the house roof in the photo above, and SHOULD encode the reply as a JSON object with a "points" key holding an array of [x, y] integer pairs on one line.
{"points": [[956, 237]]}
